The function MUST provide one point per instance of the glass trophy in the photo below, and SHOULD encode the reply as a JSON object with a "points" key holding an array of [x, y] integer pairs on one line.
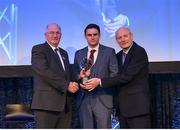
{"points": [[85, 64]]}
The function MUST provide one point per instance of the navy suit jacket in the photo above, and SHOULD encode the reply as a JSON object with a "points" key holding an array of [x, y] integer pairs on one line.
{"points": [[50, 80], [132, 82], [104, 67]]}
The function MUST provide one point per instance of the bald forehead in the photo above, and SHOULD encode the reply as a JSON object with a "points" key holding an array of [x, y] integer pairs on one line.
{"points": [[123, 29], [53, 25]]}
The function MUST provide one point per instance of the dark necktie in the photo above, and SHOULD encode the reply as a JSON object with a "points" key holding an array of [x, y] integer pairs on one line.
{"points": [[124, 57], [58, 55], [91, 56]]}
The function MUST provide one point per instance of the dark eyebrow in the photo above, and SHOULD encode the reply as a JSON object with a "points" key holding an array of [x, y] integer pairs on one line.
{"points": [[95, 34]]}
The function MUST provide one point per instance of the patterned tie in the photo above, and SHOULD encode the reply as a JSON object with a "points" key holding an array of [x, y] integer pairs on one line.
{"points": [[58, 55], [91, 56]]}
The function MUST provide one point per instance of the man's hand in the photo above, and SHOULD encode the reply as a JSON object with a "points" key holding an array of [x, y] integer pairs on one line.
{"points": [[90, 84], [73, 87], [84, 73]]}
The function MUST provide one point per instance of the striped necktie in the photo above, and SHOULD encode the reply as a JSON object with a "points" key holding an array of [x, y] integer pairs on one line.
{"points": [[57, 52], [91, 56]]}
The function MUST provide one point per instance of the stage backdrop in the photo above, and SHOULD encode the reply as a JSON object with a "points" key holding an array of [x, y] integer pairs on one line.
{"points": [[155, 24]]}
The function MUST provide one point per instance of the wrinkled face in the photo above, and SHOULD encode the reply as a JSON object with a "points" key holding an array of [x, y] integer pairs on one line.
{"points": [[53, 34], [124, 38], [92, 36]]}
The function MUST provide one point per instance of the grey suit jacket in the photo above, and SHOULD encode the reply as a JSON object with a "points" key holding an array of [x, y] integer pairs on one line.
{"points": [[105, 66], [50, 80]]}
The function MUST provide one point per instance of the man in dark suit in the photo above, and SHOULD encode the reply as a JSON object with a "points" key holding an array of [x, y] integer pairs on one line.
{"points": [[95, 106], [52, 86], [131, 82]]}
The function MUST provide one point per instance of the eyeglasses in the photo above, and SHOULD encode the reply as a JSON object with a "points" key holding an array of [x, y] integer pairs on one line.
{"points": [[54, 33]]}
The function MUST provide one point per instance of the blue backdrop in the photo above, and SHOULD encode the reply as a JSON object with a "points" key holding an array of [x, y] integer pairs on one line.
{"points": [[155, 25]]}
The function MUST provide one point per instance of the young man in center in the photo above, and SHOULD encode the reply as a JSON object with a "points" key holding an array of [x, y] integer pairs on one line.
{"points": [[94, 106]]}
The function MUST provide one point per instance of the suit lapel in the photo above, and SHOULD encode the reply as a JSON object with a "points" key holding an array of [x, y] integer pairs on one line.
{"points": [[57, 60], [85, 52], [99, 57], [65, 60], [81, 56], [130, 54], [98, 62]]}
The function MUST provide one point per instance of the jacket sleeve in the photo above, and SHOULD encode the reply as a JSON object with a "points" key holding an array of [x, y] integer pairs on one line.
{"points": [[138, 62], [113, 64]]}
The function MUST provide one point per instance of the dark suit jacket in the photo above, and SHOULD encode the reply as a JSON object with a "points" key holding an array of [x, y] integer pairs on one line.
{"points": [[50, 80], [132, 82], [105, 66]]}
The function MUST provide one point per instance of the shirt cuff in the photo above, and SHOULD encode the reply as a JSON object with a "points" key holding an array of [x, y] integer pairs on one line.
{"points": [[100, 84]]}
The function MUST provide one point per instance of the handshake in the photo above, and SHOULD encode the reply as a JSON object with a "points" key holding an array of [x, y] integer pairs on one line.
{"points": [[73, 87]]}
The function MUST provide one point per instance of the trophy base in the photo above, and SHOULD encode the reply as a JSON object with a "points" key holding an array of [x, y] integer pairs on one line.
{"points": [[84, 80]]}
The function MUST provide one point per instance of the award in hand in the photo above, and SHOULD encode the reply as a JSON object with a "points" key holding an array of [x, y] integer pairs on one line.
{"points": [[85, 65]]}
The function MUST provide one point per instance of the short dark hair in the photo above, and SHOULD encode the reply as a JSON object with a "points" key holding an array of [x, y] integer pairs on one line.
{"points": [[89, 26]]}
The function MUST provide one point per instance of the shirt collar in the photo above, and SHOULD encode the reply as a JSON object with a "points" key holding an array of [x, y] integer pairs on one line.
{"points": [[127, 50], [95, 48], [52, 46]]}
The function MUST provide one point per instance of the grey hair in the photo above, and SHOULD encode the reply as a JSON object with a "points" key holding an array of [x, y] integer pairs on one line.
{"points": [[123, 28], [53, 24]]}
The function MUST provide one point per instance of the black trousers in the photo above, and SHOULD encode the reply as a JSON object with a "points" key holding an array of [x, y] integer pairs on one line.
{"points": [[50, 119], [136, 122]]}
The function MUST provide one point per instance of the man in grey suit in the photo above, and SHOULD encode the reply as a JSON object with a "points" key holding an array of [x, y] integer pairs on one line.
{"points": [[95, 106], [52, 87]]}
